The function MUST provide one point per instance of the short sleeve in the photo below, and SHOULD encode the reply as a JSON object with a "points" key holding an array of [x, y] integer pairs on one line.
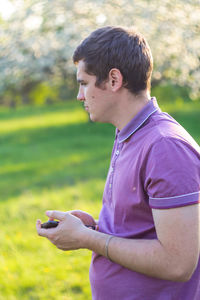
{"points": [[172, 175]]}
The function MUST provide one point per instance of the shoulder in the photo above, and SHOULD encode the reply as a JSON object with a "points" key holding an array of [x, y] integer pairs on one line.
{"points": [[163, 130], [172, 173]]}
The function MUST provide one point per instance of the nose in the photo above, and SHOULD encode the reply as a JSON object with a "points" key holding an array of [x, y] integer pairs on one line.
{"points": [[80, 95]]}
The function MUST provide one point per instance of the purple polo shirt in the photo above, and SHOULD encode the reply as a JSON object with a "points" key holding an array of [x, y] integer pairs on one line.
{"points": [[155, 163]]}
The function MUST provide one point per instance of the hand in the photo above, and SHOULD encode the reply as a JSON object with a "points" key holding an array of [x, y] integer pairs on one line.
{"points": [[68, 235], [85, 218]]}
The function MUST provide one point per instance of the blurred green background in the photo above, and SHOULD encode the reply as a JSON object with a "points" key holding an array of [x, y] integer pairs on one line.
{"points": [[51, 156]]}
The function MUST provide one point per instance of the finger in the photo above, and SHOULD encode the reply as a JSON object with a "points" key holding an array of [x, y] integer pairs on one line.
{"points": [[77, 213], [38, 223], [38, 226], [85, 217], [55, 214], [41, 231]]}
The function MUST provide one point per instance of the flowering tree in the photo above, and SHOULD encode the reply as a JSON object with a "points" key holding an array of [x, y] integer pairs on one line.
{"points": [[38, 40]]}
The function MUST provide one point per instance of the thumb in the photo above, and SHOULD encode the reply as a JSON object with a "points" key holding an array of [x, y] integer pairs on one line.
{"points": [[55, 214]]}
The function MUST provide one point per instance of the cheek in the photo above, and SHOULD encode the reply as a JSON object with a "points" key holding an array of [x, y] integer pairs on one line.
{"points": [[89, 94]]}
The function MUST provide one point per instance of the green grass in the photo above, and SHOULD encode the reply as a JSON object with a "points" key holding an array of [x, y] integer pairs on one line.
{"points": [[53, 158]]}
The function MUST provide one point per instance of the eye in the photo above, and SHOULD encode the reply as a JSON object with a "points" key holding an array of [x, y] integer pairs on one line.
{"points": [[83, 83]]}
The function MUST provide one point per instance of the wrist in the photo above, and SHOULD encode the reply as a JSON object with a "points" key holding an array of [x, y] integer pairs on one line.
{"points": [[96, 241], [85, 237], [107, 247]]}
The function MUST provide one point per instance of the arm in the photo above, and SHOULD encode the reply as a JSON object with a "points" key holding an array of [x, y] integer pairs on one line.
{"points": [[173, 256]]}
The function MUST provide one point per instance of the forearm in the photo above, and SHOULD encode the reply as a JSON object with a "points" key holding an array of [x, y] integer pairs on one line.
{"points": [[144, 256], [173, 256]]}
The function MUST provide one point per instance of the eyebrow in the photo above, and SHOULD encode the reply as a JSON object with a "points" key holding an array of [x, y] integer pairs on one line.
{"points": [[80, 80]]}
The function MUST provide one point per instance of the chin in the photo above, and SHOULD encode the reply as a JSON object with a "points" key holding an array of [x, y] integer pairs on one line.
{"points": [[93, 118]]}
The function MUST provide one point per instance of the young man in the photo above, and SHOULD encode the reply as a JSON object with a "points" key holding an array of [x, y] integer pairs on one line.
{"points": [[147, 243]]}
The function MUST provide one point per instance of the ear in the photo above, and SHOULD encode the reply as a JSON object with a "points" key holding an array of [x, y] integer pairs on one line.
{"points": [[115, 79]]}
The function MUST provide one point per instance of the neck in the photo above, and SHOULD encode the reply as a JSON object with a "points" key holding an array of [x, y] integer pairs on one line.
{"points": [[128, 105]]}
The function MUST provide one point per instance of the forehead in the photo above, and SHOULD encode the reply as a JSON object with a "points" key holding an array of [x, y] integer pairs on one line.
{"points": [[81, 74], [80, 67]]}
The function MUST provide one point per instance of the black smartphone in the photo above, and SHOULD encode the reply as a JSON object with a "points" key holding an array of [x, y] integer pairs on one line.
{"points": [[52, 224], [49, 224]]}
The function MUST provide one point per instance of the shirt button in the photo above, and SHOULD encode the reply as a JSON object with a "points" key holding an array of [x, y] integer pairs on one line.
{"points": [[111, 169], [110, 185], [117, 152]]}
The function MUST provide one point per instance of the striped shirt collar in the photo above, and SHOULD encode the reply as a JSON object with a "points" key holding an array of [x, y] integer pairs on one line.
{"points": [[138, 120]]}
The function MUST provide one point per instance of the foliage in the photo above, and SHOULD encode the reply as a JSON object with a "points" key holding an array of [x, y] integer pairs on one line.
{"points": [[38, 40], [52, 158]]}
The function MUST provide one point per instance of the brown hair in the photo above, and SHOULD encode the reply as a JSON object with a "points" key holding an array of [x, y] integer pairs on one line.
{"points": [[116, 47]]}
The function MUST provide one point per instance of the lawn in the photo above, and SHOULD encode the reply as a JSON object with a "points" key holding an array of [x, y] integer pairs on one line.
{"points": [[53, 158]]}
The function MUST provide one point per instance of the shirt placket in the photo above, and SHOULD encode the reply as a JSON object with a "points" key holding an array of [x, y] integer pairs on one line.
{"points": [[113, 169]]}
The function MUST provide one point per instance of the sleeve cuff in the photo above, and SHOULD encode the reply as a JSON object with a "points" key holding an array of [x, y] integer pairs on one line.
{"points": [[176, 201]]}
